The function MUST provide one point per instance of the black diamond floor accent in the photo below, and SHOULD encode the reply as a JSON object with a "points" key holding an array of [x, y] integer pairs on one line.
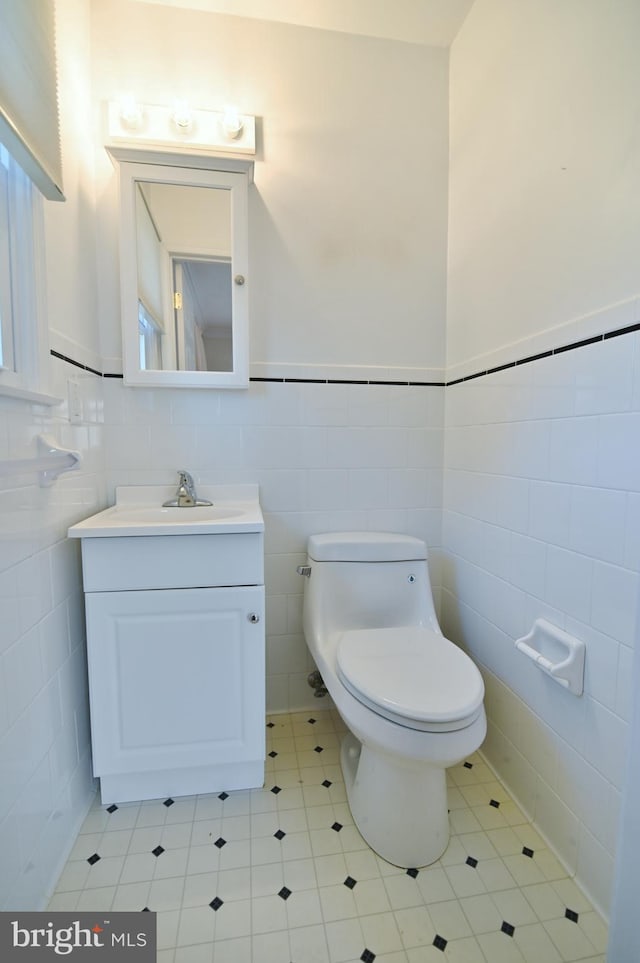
{"points": [[158, 851], [284, 893], [275, 790], [318, 749], [145, 909], [273, 754], [220, 842], [468, 765], [93, 859], [367, 956], [350, 882], [439, 942], [471, 861], [270, 725], [311, 721], [168, 802], [216, 903], [494, 803], [223, 796], [337, 827], [507, 928], [413, 872], [527, 852], [279, 834], [571, 915], [327, 783], [112, 808]]}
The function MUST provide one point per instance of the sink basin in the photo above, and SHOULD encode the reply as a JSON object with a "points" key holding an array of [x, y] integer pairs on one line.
{"points": [[142, 515], [139, 511]]}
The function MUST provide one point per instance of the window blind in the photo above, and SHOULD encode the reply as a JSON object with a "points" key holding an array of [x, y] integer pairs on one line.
{"points": [[29, 123]]}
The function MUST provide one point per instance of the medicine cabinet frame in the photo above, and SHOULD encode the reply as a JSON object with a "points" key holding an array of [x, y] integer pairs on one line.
{"points": [[231, 175]]}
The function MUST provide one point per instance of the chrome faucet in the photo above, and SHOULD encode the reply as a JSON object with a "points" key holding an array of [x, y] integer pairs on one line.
{"points": [[186, 494]]}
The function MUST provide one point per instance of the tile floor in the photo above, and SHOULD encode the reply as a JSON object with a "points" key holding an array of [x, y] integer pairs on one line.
{"points": [[281, 875]]}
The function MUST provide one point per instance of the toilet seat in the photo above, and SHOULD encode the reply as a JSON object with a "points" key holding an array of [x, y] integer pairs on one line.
{"points": [[412, 676]]}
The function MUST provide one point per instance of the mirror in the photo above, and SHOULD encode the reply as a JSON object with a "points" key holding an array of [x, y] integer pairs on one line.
{"points": [[183, 273]]}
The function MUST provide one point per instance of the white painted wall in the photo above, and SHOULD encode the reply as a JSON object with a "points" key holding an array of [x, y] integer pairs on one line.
{"points": [[544, 208], [541, 471], [348, 211]]}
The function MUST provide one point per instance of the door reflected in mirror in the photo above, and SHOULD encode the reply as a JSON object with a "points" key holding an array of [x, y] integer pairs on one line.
{"points": [[184, 277], [183, 263]]}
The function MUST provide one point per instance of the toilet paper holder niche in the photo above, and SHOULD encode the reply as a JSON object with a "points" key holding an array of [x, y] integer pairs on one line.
{"points": [[558, 654]]}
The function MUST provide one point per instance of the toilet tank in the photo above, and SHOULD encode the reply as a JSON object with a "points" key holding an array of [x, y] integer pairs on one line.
{"points": [[367, 580]]}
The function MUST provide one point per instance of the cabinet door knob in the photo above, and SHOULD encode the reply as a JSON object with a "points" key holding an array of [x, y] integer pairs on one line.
{"points": [[239, 279], [253, 618]]}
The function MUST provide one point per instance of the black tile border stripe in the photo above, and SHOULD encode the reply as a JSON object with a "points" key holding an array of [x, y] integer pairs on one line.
{"points": [[574, 345], [76, 364], [348, 381]]}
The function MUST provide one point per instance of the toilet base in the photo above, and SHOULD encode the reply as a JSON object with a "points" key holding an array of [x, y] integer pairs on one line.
{"points": [[400, 808]]}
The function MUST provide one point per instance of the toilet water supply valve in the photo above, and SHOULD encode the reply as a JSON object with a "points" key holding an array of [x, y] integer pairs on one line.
{"points": [[317, 684]]}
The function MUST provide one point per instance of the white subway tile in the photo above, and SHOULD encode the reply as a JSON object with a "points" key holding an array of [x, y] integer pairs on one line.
{"points": [[368, 488], [569, 582], [598, 523], [601, 662], [583, 788], [614, 601], [554, 386], [559, 825], [624, 688], [603, 377], [618, 463], [528, 560], [605, 741], [539, 744], [631, 557], [22, 669], [595, 867], [327, 489], [573, 450]]}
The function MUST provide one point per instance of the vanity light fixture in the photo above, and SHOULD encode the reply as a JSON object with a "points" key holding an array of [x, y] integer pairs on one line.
{"points": [[179, 126], [182, 116], [231, 122], [131, 115]]}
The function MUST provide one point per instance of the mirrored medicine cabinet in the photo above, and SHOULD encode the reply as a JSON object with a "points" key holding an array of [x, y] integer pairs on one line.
{"points": [[183, 271]]}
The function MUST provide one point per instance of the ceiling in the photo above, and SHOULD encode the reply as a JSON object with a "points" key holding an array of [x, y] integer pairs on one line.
{"points": [[429, 22]]}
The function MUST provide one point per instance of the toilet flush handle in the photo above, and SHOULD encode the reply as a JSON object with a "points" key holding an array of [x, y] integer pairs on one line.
{"points": [[304, 570]]}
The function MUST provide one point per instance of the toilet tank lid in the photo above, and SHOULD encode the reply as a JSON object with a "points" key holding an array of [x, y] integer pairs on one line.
{"points": [[365, 547]]}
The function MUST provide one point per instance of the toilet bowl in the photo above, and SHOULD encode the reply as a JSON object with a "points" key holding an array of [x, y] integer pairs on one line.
{"points": [[411, 699]]}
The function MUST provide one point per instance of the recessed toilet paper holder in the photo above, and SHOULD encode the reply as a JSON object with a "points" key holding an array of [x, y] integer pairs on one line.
{"points": [[557, 653]]}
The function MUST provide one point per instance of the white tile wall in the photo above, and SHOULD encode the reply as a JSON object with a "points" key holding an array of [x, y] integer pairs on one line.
{"points": [[326, 457], [541, 518], [46, 784]]}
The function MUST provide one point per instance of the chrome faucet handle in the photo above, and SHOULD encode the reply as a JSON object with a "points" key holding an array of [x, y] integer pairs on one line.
{"points": [[185, 480], [185, 496]]}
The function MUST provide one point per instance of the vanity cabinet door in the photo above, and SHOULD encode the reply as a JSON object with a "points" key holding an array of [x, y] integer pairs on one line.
{"points": [[176, 678]]}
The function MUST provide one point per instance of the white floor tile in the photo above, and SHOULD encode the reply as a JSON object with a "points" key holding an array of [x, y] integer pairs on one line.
{"points": [[282, 874]]}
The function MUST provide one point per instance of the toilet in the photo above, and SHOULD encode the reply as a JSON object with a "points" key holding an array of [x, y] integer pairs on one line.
{"points": [[411, 699]]}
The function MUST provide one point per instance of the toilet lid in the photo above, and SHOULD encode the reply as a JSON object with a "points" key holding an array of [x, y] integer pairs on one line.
{"points": [[411, 675]]}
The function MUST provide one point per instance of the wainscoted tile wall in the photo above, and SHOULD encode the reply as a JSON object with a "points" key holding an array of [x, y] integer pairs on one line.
{"points": [[45, 782], [326, 457], [542, 519]]}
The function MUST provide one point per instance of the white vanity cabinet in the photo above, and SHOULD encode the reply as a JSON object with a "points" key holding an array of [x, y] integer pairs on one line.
{"points": [[176, 658]]}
